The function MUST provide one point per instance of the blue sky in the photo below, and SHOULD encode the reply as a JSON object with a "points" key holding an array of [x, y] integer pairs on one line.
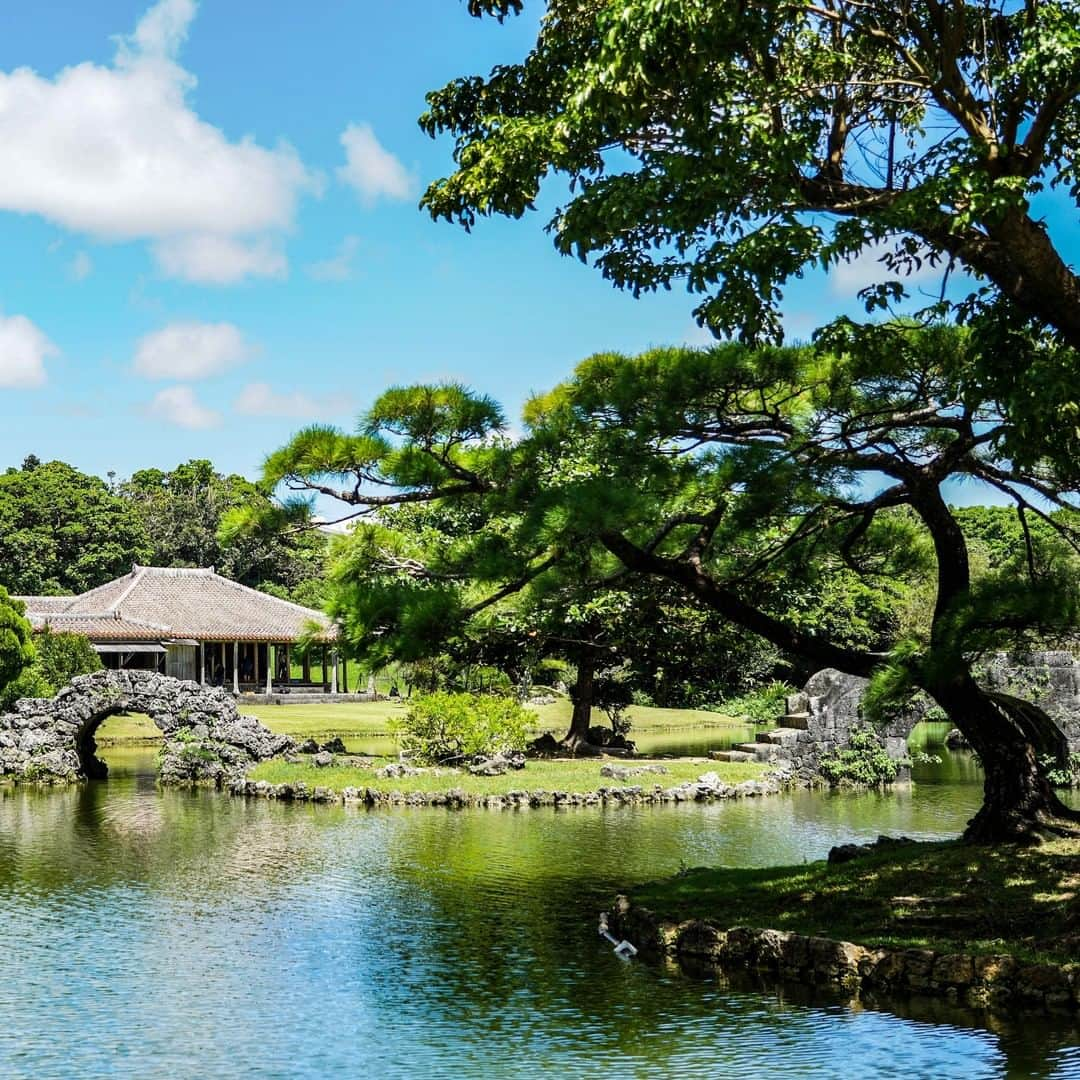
{"points": [[211, 234]]}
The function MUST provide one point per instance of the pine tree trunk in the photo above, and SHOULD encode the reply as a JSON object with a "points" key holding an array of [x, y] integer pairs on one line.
{"points": [[576, 739], [1010, 736]]}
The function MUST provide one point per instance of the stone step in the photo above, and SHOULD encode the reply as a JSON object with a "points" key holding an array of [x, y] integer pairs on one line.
{"points": [[760, 751], [731, 755], [779, 737], [799, 721]]}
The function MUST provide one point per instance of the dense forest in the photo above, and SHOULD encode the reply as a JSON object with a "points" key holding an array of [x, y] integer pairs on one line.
{"points": [[63, 531]]}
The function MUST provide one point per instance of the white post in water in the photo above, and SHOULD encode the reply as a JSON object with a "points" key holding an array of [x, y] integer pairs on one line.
{"points": [[236, 668], [333, 674]]}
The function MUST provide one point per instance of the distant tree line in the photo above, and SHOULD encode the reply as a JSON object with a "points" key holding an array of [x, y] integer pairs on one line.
{"points": [[63, 531]]}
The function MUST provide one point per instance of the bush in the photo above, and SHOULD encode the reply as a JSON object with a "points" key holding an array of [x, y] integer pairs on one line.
{"points": [[62, 656], [29, 683], [59, 657], [16, 648], [1067, 775], [764, 706], [443, 728], [863, 762]]}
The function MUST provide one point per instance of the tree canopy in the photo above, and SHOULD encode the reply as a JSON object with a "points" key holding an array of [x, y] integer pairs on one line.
{"points": [[710, 142], [182, 510], [732, 147], [754, 480], [63, 531]]}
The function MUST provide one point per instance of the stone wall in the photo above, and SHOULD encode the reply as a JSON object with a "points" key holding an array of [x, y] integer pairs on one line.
{"points": [[828, 705], [51, 740], [999, 981]]}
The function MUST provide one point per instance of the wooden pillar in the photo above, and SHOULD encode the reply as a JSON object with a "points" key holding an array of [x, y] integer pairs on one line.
{"points": [[202, 663], [344, 675], [324, 676], [269, 670], [307, 667], [236, 667], [255, 662], [288, 665], [333, 676]]}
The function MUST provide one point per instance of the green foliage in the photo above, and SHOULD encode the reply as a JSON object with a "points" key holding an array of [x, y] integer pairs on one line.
{"points": [[61, 656], [184, 513], [1065, 775], [732, 148], [16, 647], [443, 728], [697, 136], [56, 659], [863, 761], [29, 683], [763, 706], [62, 531]]}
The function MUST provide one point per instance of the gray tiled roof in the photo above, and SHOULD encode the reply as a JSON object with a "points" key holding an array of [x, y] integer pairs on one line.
{"points": [[152, 603]]}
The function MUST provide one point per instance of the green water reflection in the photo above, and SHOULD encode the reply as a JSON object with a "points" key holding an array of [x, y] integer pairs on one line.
{"points": [[165, 933]]}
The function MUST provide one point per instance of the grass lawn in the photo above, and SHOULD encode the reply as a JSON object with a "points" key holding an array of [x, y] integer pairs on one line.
{"points": [[578, 775], [368, 719], [374, 717], [346, 718], [130, 727], [946, 896]]}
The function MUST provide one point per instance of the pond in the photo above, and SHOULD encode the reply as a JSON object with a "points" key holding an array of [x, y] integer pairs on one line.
{"points": [[152, 933]]}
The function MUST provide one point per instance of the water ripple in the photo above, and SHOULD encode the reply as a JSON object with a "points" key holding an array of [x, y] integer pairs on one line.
{"points": [[185, 935]]}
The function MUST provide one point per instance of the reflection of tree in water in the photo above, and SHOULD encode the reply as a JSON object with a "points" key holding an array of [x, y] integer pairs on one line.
{"points": [[190, 843], [469, 930]]}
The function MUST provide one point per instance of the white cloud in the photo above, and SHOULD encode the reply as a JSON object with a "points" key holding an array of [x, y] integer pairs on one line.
{"points": [[178, 405], [81, 266], [340, 266], [219, 260], [370, 169], [164, 28], [191, 350], [259, 399], [23, 352], [117, 152]]}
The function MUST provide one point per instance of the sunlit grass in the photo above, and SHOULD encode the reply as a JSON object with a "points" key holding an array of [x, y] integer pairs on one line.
{"points": [[945, 896], [579, 775]]}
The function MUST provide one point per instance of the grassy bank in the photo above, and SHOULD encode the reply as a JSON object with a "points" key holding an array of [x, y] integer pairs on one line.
{"points": [[580, 775], [945, 896], [373, 719]]}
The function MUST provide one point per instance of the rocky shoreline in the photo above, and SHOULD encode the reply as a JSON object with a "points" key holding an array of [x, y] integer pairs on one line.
{"points": [[982, 981], [520, 799]]}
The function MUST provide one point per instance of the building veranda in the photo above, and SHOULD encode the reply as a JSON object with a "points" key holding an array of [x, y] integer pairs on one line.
{"points": [[195, 624]]}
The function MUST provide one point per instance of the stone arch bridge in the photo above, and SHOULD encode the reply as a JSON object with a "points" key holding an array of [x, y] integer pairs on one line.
{"points": [[821, 718], [51, 740]]}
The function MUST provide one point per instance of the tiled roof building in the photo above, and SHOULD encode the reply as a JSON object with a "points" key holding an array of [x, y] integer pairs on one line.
{"points": [[193, 624]]}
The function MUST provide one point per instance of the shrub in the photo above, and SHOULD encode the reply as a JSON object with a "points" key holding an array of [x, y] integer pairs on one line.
{"points": [[58, 658], [1067, 775], [764, 706], [443, 727], [29, 683], [62, 656], [863, 762]]}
